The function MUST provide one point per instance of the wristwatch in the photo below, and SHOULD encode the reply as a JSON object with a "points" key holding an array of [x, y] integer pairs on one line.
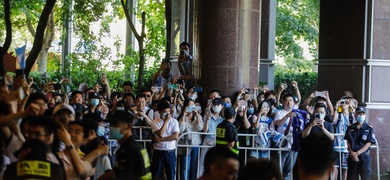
{"points": [[70, 147]]}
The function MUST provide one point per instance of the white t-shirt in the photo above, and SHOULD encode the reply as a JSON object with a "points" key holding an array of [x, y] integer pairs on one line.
{"points": [[14, 145], [172, 126], [279, 115]]}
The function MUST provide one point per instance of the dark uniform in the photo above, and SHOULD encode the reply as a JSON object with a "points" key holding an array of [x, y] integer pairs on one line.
{"points": [[34, 169], [357, 138], [132, 161], [226, 133]]}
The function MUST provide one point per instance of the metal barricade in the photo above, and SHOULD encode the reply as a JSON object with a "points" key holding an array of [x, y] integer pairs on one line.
{"points": [[112, 144]]}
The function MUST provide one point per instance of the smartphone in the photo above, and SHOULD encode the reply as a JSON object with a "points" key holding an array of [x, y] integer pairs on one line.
{"points": [[242, 103], [198, 89], [320, 93], [181, 53], [56, 86], [102, 88], [317, 116], [172, 86], [342, 101]]}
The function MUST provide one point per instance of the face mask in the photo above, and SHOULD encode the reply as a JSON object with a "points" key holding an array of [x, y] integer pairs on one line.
{"points": [[361, 118], [115, 133], [94, 102], [271, 101], [251, 110], [163, 116], [120, 108], [189, 109], [322, 116], [227, 105], [217, 108], [198, 108], [100, 131], [186, 52], [193, 97]]}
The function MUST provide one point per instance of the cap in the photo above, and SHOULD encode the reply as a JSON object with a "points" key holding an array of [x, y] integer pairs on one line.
{"points": [[93, 95], [94, 116], [361, 109], [295, 98], [60, 107], [83, 87], [229, 113], [121, 116], [217, 101]]}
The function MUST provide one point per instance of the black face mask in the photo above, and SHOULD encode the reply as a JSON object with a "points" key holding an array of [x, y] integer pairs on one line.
{"points": [[271, 101]]}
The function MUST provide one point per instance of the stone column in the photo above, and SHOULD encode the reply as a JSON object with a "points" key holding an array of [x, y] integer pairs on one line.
{"points": [[354, 55], [227, 41]]}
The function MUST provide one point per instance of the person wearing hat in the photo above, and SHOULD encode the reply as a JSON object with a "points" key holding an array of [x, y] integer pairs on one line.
{"points": [[359, 138], [63, 113], [227, 132], [94, 104], [132, 160]]}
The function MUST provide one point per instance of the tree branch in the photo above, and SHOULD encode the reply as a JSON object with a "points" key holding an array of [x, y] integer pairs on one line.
{"points": [[29, 25], [8, 37], [38, 39], [143, 35], [128, 17]]}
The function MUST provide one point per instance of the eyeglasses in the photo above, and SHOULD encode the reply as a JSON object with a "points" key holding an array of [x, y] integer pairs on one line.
{"points": [[42, 104]]}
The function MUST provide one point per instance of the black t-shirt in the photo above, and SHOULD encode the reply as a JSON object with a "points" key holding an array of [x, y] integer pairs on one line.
{"points": [[132, 161], [34, 169], [317, 130], [226, 132]]}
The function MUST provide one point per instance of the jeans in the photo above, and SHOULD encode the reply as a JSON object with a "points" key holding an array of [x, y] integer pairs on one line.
{"points": [[286, 163], [188, 162], [164, 159]]}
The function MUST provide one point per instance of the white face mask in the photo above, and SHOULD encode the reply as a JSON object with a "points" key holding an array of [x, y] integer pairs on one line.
{"points": [[217, 108], [193, 97]]}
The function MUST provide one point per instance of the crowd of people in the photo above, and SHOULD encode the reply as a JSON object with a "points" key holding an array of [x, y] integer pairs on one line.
{"points": [[50, 134]]}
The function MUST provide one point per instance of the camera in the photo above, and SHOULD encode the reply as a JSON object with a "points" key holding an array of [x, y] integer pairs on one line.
{"points": [[198, 89]]}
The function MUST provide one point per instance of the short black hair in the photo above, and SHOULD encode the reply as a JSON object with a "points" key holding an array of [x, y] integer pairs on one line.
{"points": [[269, 93], [35, 96], [145, 90], [166, 61], [319, 105], [127, 83], [91, 124], [213, 91], [287, 95], [128, 94], [140, 96], [316, 154], [163, 105], [184, 43], [264, 168], [115, 94], [74, 93], [42, 121], [83, 124], [217, 155]]}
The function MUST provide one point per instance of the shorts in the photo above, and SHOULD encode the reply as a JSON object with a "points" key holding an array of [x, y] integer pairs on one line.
{"points": [[344, 160]]}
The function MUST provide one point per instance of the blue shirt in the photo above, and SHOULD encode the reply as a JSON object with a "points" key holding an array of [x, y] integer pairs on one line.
{"points": [[212, 126]]}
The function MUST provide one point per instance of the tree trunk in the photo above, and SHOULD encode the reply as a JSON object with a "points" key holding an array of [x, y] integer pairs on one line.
{"points": [[49, 37], [39, 35], [8, 37], [141, 64]]}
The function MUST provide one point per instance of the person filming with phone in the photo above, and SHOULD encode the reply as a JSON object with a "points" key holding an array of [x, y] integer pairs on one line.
{"points": [[318, 125]]}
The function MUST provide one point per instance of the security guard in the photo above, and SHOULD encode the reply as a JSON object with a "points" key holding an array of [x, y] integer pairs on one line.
{"points": [[132, 160], [359, 137], [227, 132]]}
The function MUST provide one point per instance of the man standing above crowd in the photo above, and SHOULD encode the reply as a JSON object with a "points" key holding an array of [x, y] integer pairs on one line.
{"points": [[359, 137], [185, 63]]}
